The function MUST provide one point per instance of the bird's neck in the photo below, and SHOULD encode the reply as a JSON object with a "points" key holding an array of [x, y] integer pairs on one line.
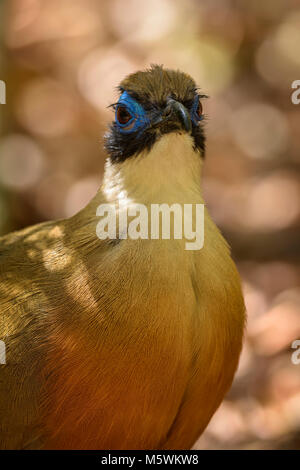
{"points": [[169, 173]]}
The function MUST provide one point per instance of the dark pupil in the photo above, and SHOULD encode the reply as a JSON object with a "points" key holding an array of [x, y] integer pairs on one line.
{"points": [[123, 115], [199, 109]]}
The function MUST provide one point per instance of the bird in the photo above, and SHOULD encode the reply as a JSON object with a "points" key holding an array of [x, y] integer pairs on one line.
{"points": [[122, 343]]}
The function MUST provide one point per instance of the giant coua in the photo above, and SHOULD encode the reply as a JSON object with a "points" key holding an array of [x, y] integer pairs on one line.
{"points": [[125, 343]]}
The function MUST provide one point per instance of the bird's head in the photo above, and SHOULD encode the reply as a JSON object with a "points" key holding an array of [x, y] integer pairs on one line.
{"points": [[154, 103], [156, 142]]}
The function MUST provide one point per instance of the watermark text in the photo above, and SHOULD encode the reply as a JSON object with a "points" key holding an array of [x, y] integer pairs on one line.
{"points": [[159, 221]]}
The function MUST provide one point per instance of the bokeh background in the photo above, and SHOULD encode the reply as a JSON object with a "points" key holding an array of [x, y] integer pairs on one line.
{"points": [[61, 61]]}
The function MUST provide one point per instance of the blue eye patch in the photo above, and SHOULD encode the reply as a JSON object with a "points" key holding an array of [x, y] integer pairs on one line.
{"points": [[138, 120], [194, 114]]}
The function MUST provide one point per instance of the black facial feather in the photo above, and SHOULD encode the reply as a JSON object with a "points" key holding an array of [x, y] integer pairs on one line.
{"points": [[122, 146], [152, 89]]}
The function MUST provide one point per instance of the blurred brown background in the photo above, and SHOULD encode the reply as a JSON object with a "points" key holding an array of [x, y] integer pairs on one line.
{"points": [[61, 60]]}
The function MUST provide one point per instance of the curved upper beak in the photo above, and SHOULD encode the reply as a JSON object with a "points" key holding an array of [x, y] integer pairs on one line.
{"points": [[178, 110]]}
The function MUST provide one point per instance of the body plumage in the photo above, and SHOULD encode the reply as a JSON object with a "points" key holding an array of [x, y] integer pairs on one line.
{"points": [[125, 345]]}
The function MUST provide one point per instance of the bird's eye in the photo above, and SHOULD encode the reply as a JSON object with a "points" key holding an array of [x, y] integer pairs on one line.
{"points": [[122, 115], [199, 110]]}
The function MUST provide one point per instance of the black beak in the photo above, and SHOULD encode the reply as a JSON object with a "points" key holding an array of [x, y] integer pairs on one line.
{"points": [[175, 108]]}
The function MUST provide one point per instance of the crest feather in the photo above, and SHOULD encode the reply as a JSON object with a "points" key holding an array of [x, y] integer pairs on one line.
{"points": [[157, 83]]}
